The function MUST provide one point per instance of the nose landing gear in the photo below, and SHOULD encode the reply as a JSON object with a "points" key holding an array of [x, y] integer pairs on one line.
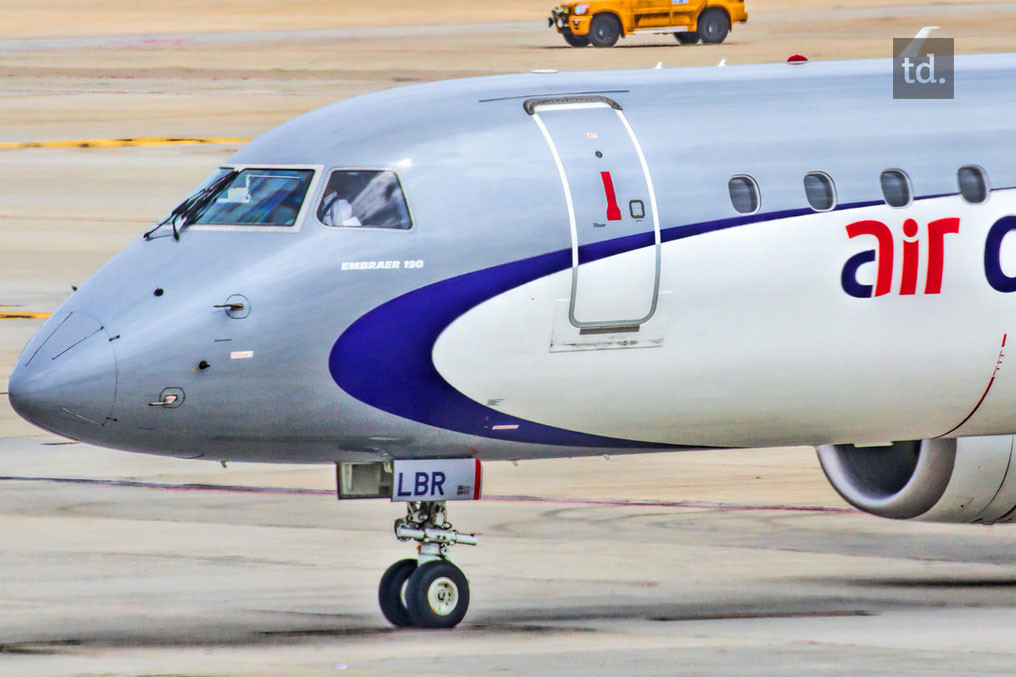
{"points": [[430, 591]]}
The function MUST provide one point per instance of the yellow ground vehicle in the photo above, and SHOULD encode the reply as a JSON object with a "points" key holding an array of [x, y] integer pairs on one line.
{"points": [[601, 22]]}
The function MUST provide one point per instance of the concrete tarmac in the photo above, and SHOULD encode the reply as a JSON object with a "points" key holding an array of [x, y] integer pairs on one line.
{"points": [[739, 562]]}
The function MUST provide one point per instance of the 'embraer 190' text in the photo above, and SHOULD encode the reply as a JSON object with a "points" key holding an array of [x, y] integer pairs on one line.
{"points": [[382, 265]]}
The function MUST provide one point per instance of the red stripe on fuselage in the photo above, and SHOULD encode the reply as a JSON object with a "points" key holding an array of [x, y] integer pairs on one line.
{"points": [[984, 395], [478, 481]]}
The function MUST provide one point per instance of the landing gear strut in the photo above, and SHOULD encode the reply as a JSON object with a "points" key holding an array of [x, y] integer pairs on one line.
{"points": [[430, 591]]}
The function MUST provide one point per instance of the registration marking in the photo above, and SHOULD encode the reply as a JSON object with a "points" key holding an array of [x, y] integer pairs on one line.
{"points": [[241, 354]]}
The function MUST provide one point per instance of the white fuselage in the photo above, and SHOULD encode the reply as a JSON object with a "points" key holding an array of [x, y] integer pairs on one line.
{"points": [[755, 341]]}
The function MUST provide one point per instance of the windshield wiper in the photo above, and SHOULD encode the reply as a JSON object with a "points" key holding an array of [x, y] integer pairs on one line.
{"points": [[192, 207]]}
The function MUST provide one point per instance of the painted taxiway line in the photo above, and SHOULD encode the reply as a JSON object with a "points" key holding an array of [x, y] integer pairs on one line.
{"points": [[246, 489], [120, 143], [23, 316]]}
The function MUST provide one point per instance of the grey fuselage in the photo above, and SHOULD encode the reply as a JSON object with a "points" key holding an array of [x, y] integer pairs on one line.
{"points": [[483, 191]]}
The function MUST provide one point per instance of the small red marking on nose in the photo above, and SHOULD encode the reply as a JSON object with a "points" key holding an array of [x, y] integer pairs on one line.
{"points": [[613, 211]]}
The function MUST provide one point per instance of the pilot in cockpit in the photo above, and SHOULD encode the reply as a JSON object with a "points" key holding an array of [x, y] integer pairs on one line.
{"points": [[337, 211], [367, 198]]}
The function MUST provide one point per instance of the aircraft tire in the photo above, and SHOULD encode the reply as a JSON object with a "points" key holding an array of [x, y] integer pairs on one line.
{"points": [[437, 595], [713, 26], [389, 593], [604, 30], [575, 40], [687, 37]]}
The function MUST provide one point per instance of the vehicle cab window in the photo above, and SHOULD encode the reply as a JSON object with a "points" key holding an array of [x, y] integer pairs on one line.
{"points": [[364, 199]]}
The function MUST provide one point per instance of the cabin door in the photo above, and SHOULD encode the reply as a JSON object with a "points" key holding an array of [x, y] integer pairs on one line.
{"points": [[608, 193]]}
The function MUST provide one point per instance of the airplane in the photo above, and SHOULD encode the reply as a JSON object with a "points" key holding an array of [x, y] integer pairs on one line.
{"points": [[412, 282]]}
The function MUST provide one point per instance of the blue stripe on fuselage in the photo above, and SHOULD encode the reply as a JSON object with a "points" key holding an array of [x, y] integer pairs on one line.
{"points": [[384, 358]]}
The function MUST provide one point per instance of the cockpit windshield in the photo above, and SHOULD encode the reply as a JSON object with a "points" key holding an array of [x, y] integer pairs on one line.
{"points": [[253, 197]]}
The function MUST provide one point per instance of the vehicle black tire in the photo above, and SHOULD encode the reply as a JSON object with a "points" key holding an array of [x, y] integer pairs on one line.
{"points": [[575, 40], [389, 593], [604, 30], [687, 37], [437, 595], [713, 26]]}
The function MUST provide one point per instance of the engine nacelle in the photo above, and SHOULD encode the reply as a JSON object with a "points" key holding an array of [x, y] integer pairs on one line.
{"points": [[970, 479]]}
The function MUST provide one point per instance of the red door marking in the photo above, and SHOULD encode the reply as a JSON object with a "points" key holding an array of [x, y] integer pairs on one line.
{"points": [[613, 211]]}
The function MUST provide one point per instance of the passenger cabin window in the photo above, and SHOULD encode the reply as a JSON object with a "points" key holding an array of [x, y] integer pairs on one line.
{"points": [[744, 194], [253, 197], [366, 199], [973, 184], [896, 188], [820, 191]]}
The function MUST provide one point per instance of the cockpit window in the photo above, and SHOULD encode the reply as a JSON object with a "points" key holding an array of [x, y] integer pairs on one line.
{"points": [[255, 197], [370, 199]]}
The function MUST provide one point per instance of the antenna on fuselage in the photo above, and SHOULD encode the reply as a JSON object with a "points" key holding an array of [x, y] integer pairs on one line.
{"points": [[914, 48]]}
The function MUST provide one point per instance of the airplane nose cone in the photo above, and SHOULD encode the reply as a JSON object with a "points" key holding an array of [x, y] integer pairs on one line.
{"points": [[66, 382]]}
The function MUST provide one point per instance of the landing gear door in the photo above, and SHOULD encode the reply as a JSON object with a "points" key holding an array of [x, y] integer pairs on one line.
{"points": [[611, 205]]}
